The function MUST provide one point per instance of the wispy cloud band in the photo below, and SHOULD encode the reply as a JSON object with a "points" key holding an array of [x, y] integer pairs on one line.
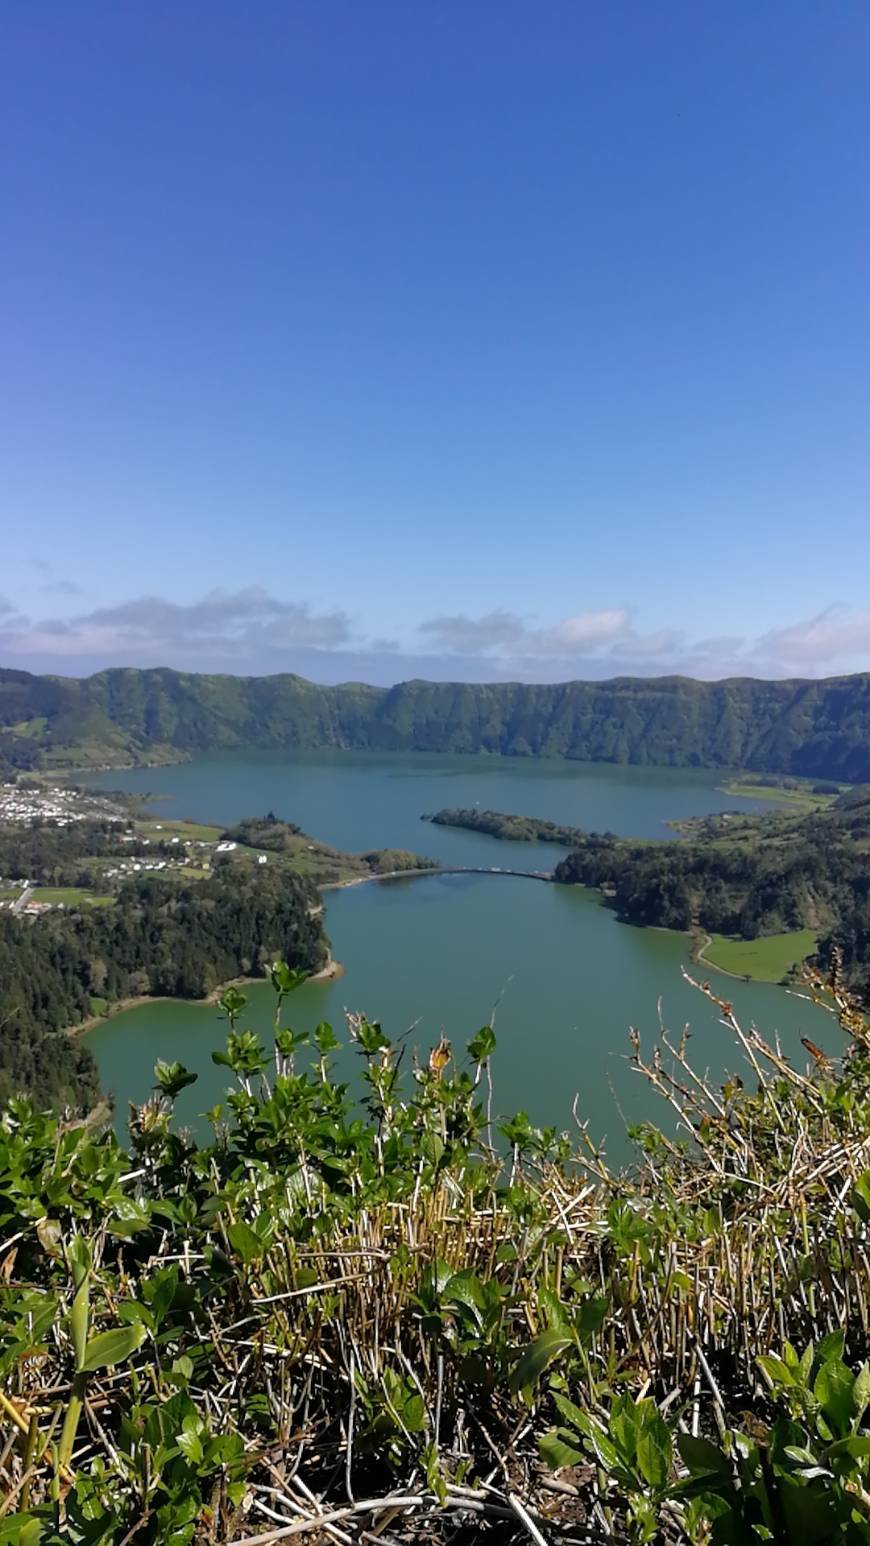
{"points": [[250, 630]]}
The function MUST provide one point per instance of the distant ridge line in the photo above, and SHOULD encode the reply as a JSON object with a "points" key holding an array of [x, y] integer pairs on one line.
{"points": [[816, 728]]}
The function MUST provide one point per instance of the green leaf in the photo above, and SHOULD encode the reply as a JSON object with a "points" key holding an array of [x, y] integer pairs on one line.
{"points": [[625, 1417], [537, 1357], [833, 1389], [776, 1370], [466, 1288], [655, 1451], [571, 1413], [482, 1046], [21, 1530], [172, 1078], [856, 1446], [802, 1456], [285, 979], [371, 1038], [244, 1242], [233, 1002], [860, 1197], [79, 1256], [325, 1039], [132, 1313], [831, 1346], [606, 1452], [556, 1453], [861, 1390], [161, 1291], [590, 1317], [128, 1219], [79, 1320], [702, 1457], [190, 1446], [111, 1347]]}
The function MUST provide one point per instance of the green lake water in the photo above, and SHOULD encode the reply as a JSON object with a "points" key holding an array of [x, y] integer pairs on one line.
{"points": [[440, 953]]}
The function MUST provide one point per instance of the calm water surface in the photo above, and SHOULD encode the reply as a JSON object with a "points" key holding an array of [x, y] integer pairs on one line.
{"points": [[440, 953], [360, 800]]}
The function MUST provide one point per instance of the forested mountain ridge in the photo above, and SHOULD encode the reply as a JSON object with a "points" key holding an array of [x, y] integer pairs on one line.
{"points": [[124, 715]]}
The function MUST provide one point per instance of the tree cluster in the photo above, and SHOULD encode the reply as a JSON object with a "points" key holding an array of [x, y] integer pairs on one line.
{"points": [[773, 874], [160, 937]]}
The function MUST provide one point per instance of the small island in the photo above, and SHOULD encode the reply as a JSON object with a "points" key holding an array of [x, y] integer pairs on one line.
{"points": [[517, 829]]}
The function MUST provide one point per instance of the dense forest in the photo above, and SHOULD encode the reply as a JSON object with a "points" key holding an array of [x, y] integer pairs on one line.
{"points": [[162, 937], [819, 729]]}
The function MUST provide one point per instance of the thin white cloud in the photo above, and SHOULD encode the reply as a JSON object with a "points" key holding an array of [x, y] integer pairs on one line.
{"points": [[474, 635], [235, 624], [604, 642], [507, 636], [835, 634], [251, 631], [586, 630]]}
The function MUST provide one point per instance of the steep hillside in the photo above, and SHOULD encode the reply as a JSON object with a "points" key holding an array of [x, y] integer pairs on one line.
{"points": [[819, 728]]}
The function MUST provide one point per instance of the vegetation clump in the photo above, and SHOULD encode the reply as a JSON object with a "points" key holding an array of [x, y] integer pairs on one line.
{"points": [[404, 1319], [516, 829]]}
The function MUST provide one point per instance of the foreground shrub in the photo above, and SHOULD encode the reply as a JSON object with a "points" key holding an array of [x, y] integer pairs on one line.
{"points": [[396, 1318]]}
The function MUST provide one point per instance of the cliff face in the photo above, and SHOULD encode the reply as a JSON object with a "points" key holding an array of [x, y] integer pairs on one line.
{"points": [[815, 728]]}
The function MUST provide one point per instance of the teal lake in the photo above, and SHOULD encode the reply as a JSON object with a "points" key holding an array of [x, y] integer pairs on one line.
{"points": [[440, 953]]}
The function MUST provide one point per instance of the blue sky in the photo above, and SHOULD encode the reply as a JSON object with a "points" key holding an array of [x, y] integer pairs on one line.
{"points": [[461, 340]]}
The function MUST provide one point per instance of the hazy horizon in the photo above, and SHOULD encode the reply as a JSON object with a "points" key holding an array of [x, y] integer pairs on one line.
{"points": [[450, 681]]}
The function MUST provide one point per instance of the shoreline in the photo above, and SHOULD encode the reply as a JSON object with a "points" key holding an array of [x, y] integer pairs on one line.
{"points": [[699, 955], [330, 972]]}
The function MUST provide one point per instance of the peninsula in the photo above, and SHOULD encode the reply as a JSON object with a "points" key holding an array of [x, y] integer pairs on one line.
{"points": [[101, 905], [795, 882]]}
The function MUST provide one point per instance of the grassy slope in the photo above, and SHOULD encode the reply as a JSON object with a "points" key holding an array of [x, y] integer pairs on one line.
{"points": [[801, 800], [768, 959]]}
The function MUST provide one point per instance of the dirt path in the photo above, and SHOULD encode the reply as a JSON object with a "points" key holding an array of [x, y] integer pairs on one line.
{"points": [[699, 954]]}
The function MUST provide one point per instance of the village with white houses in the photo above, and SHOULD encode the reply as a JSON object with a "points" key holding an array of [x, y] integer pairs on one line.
{"points": [[130, 848], [26, 802]]}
